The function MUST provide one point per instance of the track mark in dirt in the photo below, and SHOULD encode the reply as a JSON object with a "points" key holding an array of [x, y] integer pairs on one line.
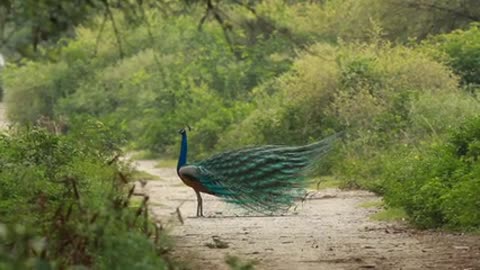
{"points": [[329, 231]]}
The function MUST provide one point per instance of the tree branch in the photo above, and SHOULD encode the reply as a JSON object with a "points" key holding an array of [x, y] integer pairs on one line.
{"points": [[115, 29], [102, 27], [226, 28], [247, 6], [150, 34]]}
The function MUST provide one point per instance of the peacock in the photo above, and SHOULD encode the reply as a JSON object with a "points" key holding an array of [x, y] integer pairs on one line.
{"points": [[263, 178]]}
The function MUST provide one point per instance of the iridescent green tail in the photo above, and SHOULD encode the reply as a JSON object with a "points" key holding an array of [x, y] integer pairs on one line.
{"points": [[266, 178]]}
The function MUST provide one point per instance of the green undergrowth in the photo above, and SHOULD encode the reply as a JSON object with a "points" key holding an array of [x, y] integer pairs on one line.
{"points": [[67, 203], [438, 184], [390, 214], [372, 204]]}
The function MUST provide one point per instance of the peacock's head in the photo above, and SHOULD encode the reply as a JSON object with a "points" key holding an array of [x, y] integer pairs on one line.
{"points": [[184, 130]]}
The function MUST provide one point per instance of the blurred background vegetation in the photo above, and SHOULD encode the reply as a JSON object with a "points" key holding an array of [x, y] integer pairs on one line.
{"points": [[401, 77]]}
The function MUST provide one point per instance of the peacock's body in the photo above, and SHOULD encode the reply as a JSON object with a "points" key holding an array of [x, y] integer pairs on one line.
{"points": [[265, 178]]}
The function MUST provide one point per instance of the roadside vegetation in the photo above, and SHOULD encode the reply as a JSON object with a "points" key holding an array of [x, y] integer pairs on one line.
{"points": [[67, 201]]}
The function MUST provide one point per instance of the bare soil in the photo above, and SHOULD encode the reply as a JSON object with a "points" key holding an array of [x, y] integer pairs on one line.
{"points": [[328, 231], [3, 117]]}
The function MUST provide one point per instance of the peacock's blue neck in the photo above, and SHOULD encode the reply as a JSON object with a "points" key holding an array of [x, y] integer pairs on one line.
{"points": [[182, 160]]}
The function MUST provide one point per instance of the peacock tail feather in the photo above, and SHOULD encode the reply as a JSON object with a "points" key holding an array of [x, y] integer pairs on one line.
{"points": [[266, 178]]}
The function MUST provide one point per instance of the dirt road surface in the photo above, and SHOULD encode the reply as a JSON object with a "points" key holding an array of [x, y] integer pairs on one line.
{"points": [[3, 117], [329, 231]]}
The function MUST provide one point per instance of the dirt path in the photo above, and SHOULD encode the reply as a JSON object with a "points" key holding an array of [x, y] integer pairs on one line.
{"points": [[3, 117], [330, 231]]}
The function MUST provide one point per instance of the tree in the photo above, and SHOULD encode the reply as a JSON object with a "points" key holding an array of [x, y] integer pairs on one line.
{"points": [[25, 24]]}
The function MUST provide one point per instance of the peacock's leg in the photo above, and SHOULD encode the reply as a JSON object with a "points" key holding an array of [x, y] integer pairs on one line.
{"points": [[199, 204]]}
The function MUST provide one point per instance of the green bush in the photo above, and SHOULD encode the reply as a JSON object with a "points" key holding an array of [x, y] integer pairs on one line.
{"points": [[460, 50], [438, 184], [365, 88], [65, 203]]}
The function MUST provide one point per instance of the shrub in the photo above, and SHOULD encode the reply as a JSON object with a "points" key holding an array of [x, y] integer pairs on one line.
{"points": [[65, 203], [365, 88], [438, 184], [434, 114], [460, 50]]}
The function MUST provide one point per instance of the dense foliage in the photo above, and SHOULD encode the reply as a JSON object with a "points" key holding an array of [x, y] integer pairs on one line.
{"points": [[439, 184], [460, 50], [65, 203], [30, 28], [400, 77], [180, 76]]}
